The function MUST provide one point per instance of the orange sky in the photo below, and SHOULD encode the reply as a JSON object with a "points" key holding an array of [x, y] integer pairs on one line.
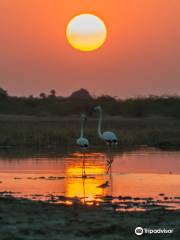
{"points": [[141, 55]]}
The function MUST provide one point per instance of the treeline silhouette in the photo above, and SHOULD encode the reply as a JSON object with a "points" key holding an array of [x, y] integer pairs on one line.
{"points": [[82, 101]]}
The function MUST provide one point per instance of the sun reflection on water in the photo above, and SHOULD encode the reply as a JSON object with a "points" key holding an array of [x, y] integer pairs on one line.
{"points": [[136, 180], [85, 188]]}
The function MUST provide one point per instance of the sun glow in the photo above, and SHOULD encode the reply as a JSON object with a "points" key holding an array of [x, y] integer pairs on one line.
{"points": [[86, 32]]}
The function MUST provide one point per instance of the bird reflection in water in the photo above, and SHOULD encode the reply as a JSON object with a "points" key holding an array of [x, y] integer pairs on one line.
{"points": [[84, 166], [84, 176], [83, 184], [110, 159], [104, 186], [109, 163]]}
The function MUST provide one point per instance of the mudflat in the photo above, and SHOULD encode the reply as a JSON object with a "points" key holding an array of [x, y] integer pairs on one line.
{"points": [[22, 219]]}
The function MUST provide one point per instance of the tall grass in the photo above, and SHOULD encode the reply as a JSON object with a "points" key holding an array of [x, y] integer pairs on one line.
{"points": [[57, 132]]}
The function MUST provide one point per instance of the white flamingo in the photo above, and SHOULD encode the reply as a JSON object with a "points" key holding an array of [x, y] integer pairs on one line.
{"points": [[83, 143], [109, 137]]}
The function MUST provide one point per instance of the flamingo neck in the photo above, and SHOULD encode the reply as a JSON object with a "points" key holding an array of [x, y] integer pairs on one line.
{"points": [[82, 129], [99, 124]]}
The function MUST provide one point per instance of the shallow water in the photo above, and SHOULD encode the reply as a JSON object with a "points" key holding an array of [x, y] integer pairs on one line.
{"points": [[143, 179]]}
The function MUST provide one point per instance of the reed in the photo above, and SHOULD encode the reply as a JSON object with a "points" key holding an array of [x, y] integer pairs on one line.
{"points": [[55, 132]]}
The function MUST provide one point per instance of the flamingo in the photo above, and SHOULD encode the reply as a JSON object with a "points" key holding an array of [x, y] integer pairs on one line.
{"points": [[83, 142], [109, 137]]}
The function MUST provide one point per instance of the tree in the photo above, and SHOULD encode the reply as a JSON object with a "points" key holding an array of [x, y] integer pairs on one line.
{"points": [[42, 95], [81, 94], [3, 93], [52, 93], [31, 97]]}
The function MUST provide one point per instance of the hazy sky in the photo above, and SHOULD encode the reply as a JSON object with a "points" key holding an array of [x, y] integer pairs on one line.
{"points": [[140, 57]]}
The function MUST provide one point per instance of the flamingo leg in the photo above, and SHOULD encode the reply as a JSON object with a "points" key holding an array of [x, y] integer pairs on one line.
{"points": [[84, 166], [109, 165], [84, 193], [110, 157], [111, 183], [108, 152], [109, 171]]}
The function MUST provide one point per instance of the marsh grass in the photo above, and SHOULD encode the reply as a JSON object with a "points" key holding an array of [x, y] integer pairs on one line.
{"points": [[56, 132]]}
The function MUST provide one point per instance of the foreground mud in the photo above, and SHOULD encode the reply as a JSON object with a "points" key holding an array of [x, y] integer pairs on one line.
{"points": [[27, 220]]}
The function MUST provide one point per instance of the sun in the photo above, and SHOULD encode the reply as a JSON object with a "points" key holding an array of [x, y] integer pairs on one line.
{"points": [[86, 32]]}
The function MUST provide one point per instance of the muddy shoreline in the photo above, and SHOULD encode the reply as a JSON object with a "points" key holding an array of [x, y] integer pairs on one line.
{"points": [[22, 219]]}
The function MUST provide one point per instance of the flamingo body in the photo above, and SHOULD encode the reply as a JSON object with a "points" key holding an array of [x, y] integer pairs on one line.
{"points": [[109, 137], [82, 142]]}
